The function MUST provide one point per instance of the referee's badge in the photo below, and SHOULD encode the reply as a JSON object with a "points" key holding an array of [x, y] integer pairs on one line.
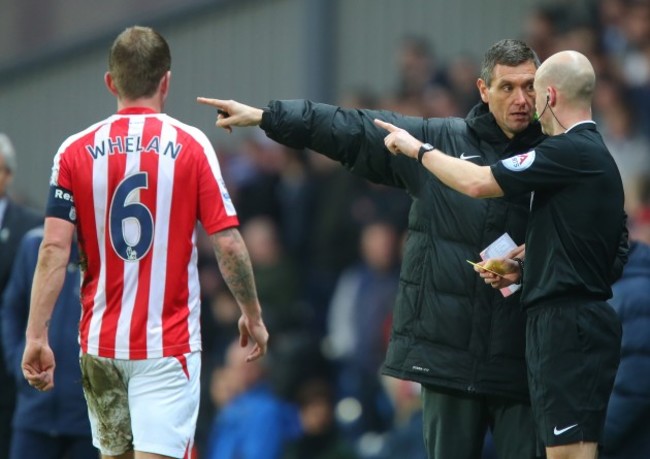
{"points": [[520, 162]]}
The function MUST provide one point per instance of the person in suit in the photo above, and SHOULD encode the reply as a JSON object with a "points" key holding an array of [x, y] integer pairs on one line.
{"points": [[53, 424], [15, 221]]}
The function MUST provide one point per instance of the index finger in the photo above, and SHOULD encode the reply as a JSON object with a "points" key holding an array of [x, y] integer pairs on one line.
{"points": [[389, 127], [221, 104], [257, 352]]}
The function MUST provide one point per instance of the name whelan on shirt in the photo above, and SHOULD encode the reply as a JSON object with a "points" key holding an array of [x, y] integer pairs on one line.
{"points": [[133, 144]]}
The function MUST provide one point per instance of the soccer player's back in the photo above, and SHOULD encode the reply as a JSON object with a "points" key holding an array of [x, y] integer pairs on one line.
{"points": [[141, 180], [134, 187]]}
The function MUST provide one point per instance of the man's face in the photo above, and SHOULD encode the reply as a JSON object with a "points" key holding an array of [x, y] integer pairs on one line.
{"points": [[5, 177], [511, 96]]}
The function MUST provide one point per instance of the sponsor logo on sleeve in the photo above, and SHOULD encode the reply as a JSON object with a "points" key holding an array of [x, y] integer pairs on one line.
{"points": [[520, 162], [64, 195]]}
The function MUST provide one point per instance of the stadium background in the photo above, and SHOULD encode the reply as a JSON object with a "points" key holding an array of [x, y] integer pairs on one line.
{"points": [[53, 56]]}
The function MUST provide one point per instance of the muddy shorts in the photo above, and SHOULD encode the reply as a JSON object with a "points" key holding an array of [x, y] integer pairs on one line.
{"points": [[143, 405]]}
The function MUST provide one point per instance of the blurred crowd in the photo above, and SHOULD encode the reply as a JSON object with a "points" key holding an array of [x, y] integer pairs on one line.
{"points": [[326, 246]]}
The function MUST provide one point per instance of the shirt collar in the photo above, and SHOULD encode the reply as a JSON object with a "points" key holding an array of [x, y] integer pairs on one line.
{"points": [[137, 111], [579, 123]]}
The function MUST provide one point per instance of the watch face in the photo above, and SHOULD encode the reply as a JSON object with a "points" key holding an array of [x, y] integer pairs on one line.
{"points": [[423, 149]]}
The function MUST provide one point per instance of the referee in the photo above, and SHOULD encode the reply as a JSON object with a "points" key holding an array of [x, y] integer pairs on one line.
{"points": [[576, 246]]}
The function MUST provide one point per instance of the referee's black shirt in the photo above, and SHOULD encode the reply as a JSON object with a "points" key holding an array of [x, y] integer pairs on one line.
{"points": [[577, 215]]}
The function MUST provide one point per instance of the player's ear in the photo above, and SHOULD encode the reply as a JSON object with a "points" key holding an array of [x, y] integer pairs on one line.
{"points": [[483, 90], [110, 84], [164, 83]]}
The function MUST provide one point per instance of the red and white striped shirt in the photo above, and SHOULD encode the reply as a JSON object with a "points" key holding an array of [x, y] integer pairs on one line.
{"points": [[140, 181]]}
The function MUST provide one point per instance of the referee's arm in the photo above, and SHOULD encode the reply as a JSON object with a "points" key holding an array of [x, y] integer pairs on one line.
{"points": [[463, 176]]}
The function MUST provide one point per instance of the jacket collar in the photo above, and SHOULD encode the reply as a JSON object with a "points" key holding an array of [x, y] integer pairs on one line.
{"points": [[582, 125], [485, 127]]}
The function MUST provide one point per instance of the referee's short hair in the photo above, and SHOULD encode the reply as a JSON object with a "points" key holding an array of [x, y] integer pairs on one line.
{"points": [[7, 152], [509, 52]]}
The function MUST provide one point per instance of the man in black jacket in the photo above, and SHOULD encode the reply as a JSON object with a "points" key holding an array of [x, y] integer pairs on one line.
{"points": [[575, 246], [463, 342]]}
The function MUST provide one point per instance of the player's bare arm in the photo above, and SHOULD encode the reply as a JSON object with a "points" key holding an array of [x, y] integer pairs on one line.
{"points": [[463, 176], [237, 271], [38, 359], [232, 113]]}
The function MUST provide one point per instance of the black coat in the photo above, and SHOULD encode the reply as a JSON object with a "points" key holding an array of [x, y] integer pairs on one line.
{"points": [[449, 329]]}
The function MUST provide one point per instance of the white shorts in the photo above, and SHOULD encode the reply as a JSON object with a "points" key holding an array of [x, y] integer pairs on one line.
{"points": [[143, 405]]}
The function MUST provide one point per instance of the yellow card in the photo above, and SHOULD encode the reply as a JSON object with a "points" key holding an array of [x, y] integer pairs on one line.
{"points": [[489, 270]]}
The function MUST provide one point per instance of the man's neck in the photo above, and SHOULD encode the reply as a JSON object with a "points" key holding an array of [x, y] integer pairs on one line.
{"points": [[149, 102], [563, 121]]}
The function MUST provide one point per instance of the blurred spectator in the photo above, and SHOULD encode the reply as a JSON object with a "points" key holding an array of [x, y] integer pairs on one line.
{"points": [[627, 426], [404, 439], [254, 170], [359, 323], [439, 102], [461, 75], [295, 194], [276, 275], [15, 221], [343, 204], [321, 438], [619, 129], [277, 184], [360, 97], [636, 61], [540, 28], [54, 424], [334, 233], [252, 422], [609, 21], [638, 205], [219, 316], [418, 71], [221, 325]]}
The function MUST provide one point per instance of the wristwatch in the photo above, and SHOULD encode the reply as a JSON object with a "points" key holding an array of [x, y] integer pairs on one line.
{"points": [[423, 149], [520, 262]]}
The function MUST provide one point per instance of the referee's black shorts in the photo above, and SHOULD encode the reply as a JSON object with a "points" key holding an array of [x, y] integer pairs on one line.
{"points": [[572, 353]]}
